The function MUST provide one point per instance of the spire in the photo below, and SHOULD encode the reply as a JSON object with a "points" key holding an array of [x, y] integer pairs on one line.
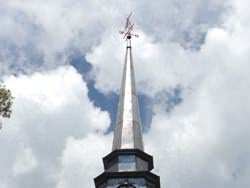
{"points": [[127, 134], [128, 165]]}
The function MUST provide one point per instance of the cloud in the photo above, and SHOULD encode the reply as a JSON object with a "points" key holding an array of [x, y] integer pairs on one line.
{"points": [[205, 137], [42, 34], [50, 109], [185, 22], [25, 162], [168, 47], [81, 160]]}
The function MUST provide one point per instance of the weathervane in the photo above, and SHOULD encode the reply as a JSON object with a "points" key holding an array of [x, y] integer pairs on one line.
{"points": [[128, 29]]}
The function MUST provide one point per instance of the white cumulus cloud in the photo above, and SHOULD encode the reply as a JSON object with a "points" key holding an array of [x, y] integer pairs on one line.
{"points": [[50, 108]]}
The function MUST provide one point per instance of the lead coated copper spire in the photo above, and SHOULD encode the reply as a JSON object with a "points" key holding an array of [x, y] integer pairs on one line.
{"points": [[128, 165], [127, 134]]}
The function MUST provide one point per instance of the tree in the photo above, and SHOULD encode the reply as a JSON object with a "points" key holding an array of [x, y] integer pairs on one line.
{"points": [[6, 101]]}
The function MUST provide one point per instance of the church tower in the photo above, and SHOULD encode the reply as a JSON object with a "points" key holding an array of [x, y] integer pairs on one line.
{"points": [[128, 166]]}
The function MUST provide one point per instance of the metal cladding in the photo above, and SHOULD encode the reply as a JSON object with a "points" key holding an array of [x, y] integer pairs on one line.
{"points": [[127, 133]]}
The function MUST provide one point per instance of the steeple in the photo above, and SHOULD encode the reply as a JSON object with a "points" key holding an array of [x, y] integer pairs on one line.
{"points": [[128, 166], [127, 134]]}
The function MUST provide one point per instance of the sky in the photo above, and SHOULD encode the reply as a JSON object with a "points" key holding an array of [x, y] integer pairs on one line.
{"points": [[63, 59]]}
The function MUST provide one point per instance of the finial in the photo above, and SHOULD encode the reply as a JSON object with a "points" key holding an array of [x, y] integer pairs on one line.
{"points": [[128, 29]]}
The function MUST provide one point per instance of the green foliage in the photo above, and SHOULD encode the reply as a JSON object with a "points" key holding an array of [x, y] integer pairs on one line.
{"points": [[6, 101]]}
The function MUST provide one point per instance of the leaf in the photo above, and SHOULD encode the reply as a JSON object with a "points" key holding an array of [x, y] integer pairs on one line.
{"points": [[6, 101]]}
